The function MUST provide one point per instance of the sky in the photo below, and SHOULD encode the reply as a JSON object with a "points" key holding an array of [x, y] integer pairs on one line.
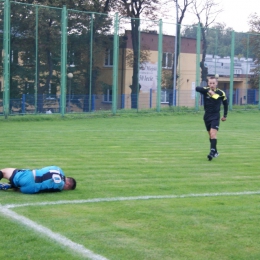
{"points": [[235, 13]]}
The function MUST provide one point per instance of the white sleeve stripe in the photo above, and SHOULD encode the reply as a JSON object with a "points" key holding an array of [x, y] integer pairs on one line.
{"points": [[54, 171]]}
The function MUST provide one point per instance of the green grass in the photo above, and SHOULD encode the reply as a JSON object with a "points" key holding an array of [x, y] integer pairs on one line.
{"points": [[131, 155]]}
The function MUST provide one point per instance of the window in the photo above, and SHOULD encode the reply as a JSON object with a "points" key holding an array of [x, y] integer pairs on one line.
{"points": [[109, 58], [107, 97], [167, 60], [237, 71], [165, 95]]}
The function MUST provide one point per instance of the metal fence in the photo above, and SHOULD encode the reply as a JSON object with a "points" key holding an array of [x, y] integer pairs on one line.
{"points": [[57, 60], [80, 103]]}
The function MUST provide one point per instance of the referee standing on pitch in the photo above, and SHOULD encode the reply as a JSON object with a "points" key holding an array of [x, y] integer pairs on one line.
{"points": [[213, 98]]}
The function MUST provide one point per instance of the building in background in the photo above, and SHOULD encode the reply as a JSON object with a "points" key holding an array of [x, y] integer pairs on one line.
{"points": [[147, 97]]}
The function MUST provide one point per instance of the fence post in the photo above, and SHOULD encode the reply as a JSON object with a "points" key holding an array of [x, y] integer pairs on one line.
{"points": [[159, 75], [23, 103], [115, 65], [259, 92], [36, 80], [247, 71], [139, 54], [90, 62], [93, 98], [6, 60], [216, 50], [151, 98], [122, 101], [232, 70], [197, 66], [64, 24]]}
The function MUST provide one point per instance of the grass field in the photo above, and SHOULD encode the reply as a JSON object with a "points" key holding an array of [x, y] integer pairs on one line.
{"points": [[145, 188]]}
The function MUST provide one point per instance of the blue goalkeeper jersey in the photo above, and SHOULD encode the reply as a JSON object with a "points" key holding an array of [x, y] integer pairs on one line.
{"points": [[49, 178]]}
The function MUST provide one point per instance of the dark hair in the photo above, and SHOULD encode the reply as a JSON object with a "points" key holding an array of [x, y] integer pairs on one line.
{"points": [[73, 183], [212, 77]]}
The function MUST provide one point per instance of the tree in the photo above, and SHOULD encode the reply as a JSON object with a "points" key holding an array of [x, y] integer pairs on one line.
{"points": [[23, 27], [206, 12], [254, 24], [190, 31], [182, 8], [89, 36], [219, 40], [136, 9]]}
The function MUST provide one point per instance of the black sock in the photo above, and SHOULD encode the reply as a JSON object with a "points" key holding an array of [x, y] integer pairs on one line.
{"points": [[1, 175], [213, 145]]}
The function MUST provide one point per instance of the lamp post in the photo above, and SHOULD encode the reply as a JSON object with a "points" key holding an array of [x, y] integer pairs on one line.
{"points": [[70, 76]]}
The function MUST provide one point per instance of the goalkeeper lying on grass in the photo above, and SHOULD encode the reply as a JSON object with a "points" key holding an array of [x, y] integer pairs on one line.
{"points": [[47, 179]]}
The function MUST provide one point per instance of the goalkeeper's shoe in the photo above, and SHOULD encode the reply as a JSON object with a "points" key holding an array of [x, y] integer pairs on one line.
{"points": [[5, 186]]}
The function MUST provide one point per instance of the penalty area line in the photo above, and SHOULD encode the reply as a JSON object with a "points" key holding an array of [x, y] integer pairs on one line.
{"points": [[97, 200], [78, 248]]}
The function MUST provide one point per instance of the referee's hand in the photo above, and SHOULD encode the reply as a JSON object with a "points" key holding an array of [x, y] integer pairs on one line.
{"points": [[223, 118]]}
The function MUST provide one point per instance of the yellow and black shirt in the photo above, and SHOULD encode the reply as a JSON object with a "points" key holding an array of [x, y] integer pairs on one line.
{"points": [[213, 103]]}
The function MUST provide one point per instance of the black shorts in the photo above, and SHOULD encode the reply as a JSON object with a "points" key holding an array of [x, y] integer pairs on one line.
{"points": [[12, 177], [212, 124]]}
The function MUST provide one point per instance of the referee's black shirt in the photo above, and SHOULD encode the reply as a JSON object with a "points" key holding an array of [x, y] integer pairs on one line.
{"points": [[213, 103]]}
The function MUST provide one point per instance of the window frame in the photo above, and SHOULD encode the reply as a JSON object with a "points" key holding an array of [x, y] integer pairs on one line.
{"points": [[107, 96], [108, 61], [165, 94], [167, 60]]}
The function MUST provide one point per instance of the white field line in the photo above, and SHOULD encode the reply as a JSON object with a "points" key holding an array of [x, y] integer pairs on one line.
{"points": [[132, 130], [5, 210], [54, 236], [132, 198], [119, 130]]}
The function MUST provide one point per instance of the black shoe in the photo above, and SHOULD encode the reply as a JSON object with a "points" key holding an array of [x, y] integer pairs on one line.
{"points": [[211, 156]]}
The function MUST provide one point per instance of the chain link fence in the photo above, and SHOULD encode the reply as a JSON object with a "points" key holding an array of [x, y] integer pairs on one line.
{"points": [[57, 60]]}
